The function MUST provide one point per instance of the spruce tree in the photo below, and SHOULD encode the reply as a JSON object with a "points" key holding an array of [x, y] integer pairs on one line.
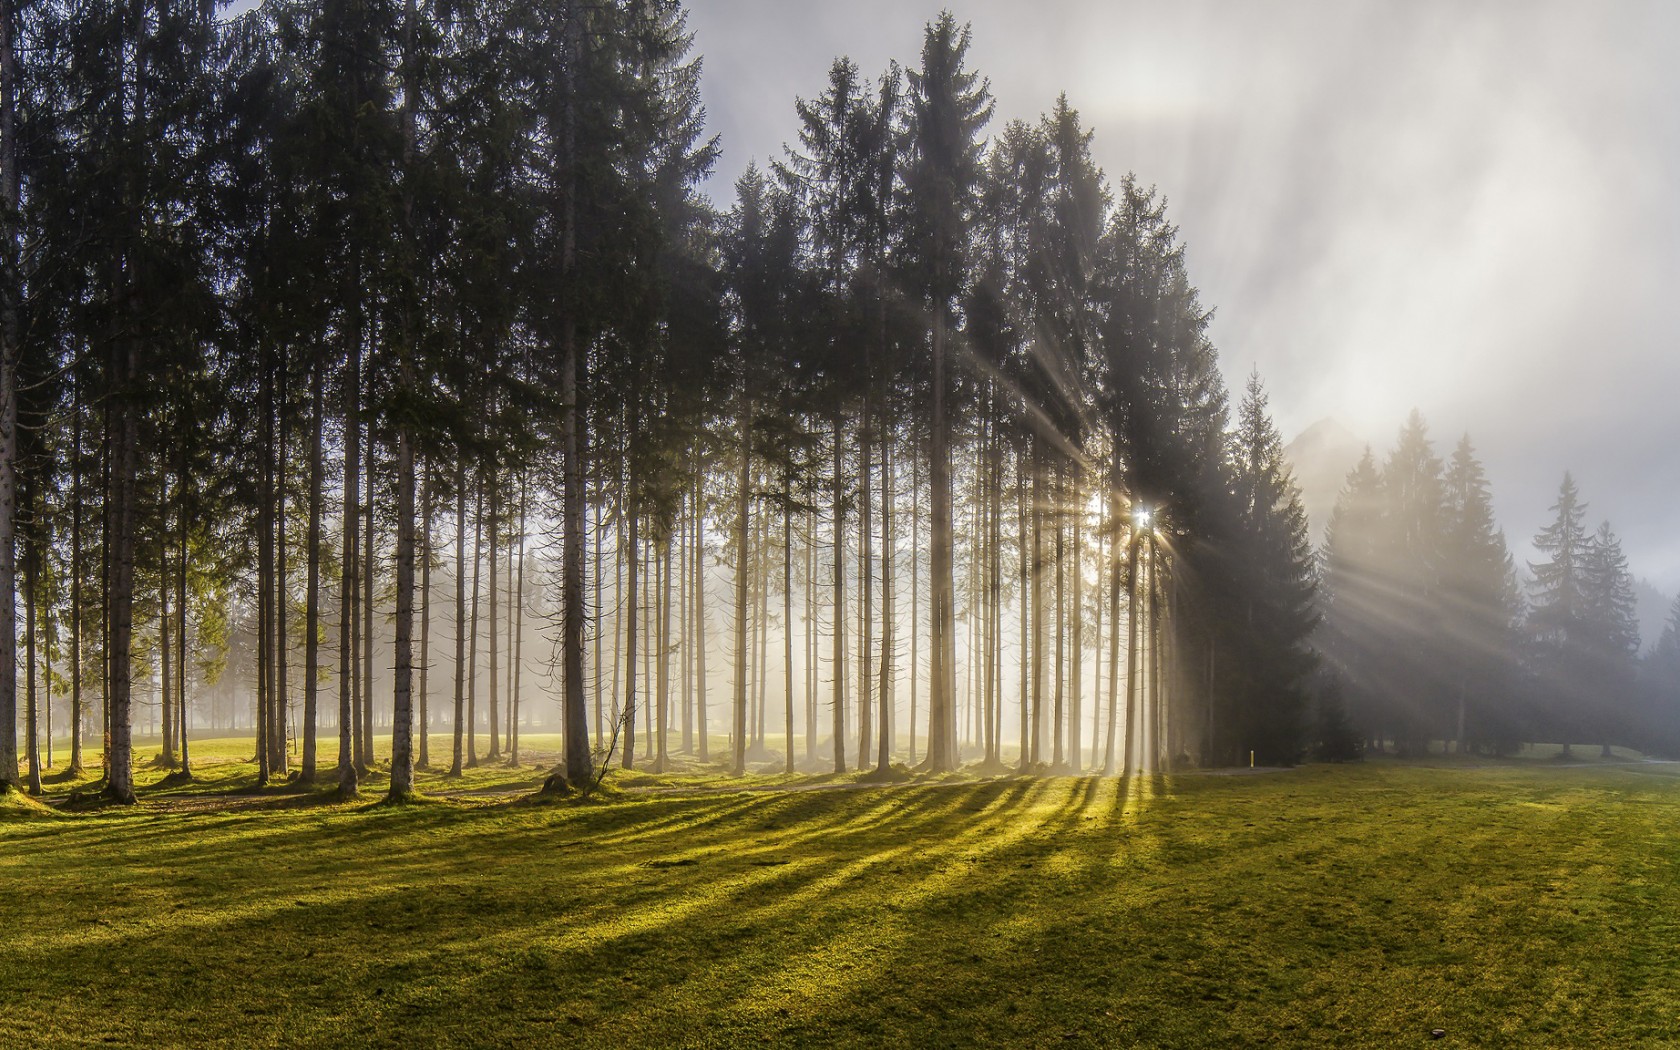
{"points": [[949, 106]]}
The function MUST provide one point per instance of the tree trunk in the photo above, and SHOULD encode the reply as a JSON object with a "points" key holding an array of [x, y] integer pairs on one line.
{"points": [[277, 742], [915, 595], [312, 585], [77, 701], [662, 664], [165, 652], [579, 770], [181, 631], [632, 612], [402, 693], [866, 606], [457, 761], [32, 737], [883, 757], [787, 616], [743, 507], [472, 633], [425, 716], [11, 284], [518, 628], [494, 648], [942, 724], [349, 577], [369, 558], [125, 473], [700, 727], [1037, 635], [839, 599]]}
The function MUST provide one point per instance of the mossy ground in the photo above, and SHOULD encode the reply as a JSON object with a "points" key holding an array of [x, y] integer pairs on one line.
{"points": [[1515, 904]]}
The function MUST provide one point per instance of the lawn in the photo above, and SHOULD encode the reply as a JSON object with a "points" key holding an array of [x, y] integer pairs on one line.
{"points": [[1518, 904]]}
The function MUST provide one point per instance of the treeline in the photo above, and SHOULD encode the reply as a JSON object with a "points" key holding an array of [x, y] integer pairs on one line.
{"points": [[1433, 635], [304, 306]]}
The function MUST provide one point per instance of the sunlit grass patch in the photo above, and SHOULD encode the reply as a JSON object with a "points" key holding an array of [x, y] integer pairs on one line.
{"points": [[1361, 905]]}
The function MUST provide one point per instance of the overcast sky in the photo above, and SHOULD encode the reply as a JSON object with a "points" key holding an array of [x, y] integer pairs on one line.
{"points": [[1468, 208]]}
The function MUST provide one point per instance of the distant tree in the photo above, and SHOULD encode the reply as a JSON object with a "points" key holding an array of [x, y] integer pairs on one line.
{"points": [[1352, 594], [1278, 582], [1611, 642], [1480, 609], [1559, 617]]}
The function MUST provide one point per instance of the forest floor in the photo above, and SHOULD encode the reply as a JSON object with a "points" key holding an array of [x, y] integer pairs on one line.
{"points": [[1523, 903]]}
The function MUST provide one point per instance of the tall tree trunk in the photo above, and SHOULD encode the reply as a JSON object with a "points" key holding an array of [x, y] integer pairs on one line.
{"points": [[743, 507], [11, 284], [1134, 692], [883, 757], [1058, 516], [349, 577], [518, 628], [369, 561], [277, 741], [1076, 640], [32, 730], [685, 572], [700, 727], [579, 771], [1037, 634], [915, 595], [1024, 555], [811, 638], [632, 613], [1112, 572], [472, 632], [425, 716], [839, 598], [787, 616], [77, 701], [181, 626], [494, 647], [165, 652], [402, 693], [662, 664], [312, 585], [264, 722], [599, 545], [866, 607], [761, 630], [457, 761], [125, 469], [942, 723]]}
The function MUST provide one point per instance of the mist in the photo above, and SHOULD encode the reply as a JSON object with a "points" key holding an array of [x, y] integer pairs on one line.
{"points": [[1461, 208]]}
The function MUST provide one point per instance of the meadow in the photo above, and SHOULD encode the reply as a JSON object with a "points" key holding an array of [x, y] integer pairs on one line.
{"points": [[1374, 904]]}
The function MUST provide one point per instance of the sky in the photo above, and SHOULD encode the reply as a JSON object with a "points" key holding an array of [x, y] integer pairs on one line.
{"points": [[1468, 208]]}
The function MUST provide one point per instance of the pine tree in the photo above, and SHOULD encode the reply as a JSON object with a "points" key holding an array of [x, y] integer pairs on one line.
{"points": [[948, 108], [1559, 617], [1278, 581], [1479, 609], [1611, 641]]}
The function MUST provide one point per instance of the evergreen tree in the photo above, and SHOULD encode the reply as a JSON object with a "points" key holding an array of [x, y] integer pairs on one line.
{"points": [[1611, 641], [1479, 610], [1559, 617], [1278, 584], [949, 105]]}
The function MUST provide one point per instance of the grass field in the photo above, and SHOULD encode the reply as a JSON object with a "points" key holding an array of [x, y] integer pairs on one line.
{"points": [[1523, 904]]}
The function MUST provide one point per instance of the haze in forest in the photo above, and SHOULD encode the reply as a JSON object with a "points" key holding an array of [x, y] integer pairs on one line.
{"points": [[1462, 208]]}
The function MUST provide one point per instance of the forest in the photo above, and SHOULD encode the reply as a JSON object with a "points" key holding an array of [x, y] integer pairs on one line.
{"points": [[374, 369]]}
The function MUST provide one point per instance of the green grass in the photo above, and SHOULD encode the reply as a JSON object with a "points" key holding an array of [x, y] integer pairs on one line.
{"points": [[1511, 905]]}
